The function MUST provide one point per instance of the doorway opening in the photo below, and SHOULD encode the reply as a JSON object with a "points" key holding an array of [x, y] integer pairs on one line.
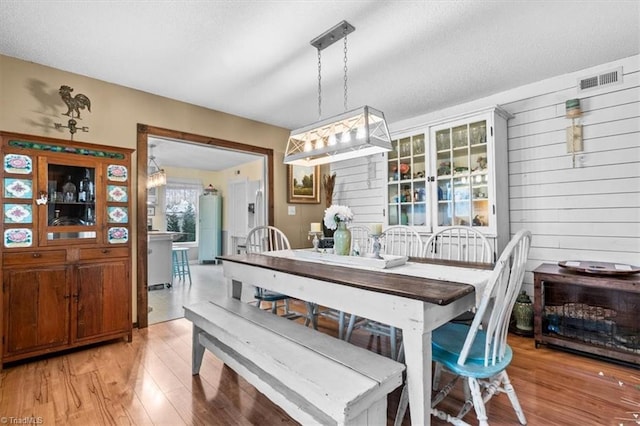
{"points": [[145, 137]]}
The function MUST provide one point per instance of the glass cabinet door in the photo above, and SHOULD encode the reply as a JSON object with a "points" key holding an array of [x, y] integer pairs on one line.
{"points": [[71, 201], [407, 190], [462, 178]]}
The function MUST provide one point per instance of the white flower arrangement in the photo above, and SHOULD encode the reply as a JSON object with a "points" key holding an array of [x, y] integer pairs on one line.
{"points": [[336, 214]]}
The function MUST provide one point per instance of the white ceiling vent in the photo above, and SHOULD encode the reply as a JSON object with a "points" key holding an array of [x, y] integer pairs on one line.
{"points": [[608, 78]]}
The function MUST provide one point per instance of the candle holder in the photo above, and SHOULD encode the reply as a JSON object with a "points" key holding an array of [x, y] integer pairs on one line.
{"points": [[316, 241], [376, 246]]}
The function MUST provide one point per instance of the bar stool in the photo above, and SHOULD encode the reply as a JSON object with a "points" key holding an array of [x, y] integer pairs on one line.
{"points": [[181, 263]]}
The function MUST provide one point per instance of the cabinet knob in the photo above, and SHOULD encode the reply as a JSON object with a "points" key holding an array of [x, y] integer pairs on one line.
{"points": [[36, 255], [105, 251]]}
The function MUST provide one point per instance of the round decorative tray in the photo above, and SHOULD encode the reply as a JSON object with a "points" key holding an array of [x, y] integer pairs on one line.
{"points": [[599, 268]]}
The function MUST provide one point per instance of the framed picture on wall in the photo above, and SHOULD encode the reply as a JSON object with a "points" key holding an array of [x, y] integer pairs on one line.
{"points": [[303, 184], [152, 195], [151, 211]]}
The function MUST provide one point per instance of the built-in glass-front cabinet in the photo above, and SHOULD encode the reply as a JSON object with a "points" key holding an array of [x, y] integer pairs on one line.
{"points": [[407, 188], [452, 173], [462, 174]]}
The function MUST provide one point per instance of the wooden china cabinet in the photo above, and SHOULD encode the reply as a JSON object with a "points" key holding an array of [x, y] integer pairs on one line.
{"points": [[66, 251]]}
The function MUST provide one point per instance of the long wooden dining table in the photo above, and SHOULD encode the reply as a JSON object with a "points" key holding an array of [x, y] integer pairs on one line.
{"points": [[416, 297]]}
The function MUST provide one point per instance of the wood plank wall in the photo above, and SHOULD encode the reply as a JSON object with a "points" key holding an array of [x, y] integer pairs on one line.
{"points": [[589, 212]]}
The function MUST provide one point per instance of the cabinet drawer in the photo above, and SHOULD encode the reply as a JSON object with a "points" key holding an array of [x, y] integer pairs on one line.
{"points": [[103, 253], [34, 257]]}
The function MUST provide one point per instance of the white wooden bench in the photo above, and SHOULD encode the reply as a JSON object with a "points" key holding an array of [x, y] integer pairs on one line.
{"points": [[314, 377]]}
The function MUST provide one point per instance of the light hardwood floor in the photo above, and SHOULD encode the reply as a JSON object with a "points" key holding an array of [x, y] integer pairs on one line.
{"points": [[149, 382], [166, 303]]}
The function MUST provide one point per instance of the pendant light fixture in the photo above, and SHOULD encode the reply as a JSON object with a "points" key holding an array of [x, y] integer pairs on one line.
{"points": [[356, 133], [156, 175]]}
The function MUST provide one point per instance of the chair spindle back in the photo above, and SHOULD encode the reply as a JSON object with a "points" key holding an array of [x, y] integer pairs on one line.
{"points": [[461, 243], [266, 238], [401, 240]]}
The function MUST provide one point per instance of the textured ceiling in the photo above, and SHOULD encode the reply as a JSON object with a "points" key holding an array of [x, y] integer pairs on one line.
{"points": [[253, 58]]}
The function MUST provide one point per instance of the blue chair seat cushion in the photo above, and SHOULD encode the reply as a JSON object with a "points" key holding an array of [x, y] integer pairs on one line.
{"points": [[269, 296], [447, 342]]}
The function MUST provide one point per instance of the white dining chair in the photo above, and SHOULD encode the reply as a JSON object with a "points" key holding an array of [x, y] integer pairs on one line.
{"points": [[462, 243], [269, 238], [360, 239], [262, 239], [479, 353], [399, 240]]}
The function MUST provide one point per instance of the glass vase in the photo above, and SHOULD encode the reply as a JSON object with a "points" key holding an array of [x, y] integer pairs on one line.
{"points": [[342, 240]]}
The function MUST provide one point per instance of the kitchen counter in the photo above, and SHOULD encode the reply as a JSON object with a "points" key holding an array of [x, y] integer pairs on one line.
{"points": [[162, 235]]}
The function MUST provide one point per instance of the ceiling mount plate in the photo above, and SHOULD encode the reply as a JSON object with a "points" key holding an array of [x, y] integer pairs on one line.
{"points": [[331, 36]]}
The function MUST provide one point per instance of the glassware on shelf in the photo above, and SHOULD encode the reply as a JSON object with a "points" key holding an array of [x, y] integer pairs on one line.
{"points": [[52, 186], [394, 150], [407, 180], [460, 137], [405, 147], [444, 190], [69, 191], [83, 190], [418, 145], [90, 217]]}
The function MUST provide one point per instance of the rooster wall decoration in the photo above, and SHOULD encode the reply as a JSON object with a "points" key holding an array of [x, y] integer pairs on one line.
{"points": [[74, 105]]}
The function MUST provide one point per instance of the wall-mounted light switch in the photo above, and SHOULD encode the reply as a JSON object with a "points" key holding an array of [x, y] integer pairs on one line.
{"points": [[291, 210]]}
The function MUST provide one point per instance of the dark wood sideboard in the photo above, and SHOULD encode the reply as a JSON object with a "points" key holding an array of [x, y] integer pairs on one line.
{"points": [[591, 313]]}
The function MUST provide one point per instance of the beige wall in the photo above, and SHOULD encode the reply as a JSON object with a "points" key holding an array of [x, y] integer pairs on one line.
{"points": [[29, 103]]}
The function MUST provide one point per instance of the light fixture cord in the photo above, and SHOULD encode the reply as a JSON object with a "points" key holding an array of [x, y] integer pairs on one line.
{"points": [[345, 67], [319, 85]]}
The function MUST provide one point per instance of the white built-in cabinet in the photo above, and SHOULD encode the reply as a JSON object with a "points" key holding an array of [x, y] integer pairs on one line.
{"points": [[453, 172], [209, 227]]}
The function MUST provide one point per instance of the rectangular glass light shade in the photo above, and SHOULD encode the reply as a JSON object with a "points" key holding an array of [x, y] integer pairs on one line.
{"points": [[158, 178], [357, 133]]}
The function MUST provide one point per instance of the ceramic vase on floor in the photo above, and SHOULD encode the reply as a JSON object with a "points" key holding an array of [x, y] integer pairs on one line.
{"points": [[523, 312], [342, 240]]}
